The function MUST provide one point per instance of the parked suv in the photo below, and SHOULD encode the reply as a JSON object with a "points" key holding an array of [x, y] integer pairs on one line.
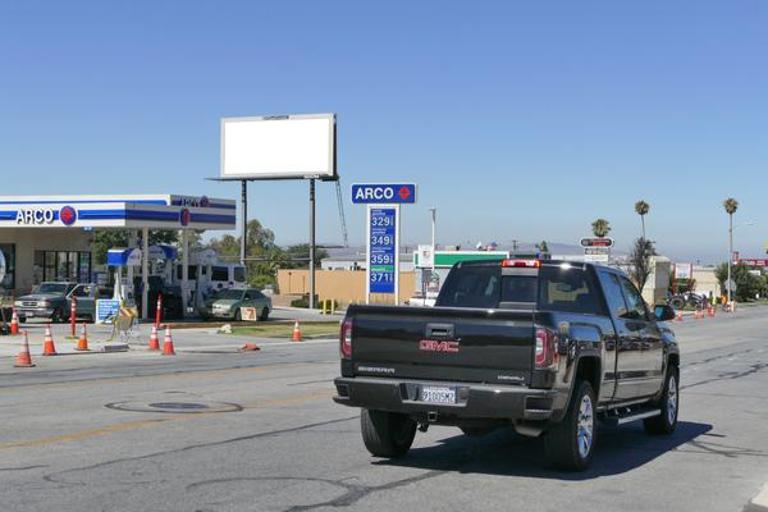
{"points": [[53, 301]]}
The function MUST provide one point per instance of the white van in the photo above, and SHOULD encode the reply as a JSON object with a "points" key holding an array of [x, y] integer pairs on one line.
{"points": [[218, 276]]}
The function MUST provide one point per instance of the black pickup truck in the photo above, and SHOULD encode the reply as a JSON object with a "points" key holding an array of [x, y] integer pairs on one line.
{"points": [[548, 347]]}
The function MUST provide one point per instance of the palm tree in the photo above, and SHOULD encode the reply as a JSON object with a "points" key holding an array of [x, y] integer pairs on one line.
{"points": [[730, 205], [642, 208], [601, 228]]}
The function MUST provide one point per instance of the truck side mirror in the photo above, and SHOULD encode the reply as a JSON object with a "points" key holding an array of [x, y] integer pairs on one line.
{"points": [[664, 312]]}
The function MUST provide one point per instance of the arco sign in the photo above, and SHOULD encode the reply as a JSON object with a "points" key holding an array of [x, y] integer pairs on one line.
{"points": [[35, 216]]}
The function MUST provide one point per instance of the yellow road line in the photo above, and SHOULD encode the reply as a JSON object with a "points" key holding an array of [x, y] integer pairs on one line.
{"points": [[83, 434], [134, 425], [193, 374]]}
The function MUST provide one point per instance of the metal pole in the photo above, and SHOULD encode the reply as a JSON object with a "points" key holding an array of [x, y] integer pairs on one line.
{"points": [[145, 273], [184, 271], [312, 243], [730, 256], [434, 244], [244, 221]]}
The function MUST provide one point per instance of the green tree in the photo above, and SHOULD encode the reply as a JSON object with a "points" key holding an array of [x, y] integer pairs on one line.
{"points": [[730, 205], [642, 208], [747, 284], [601, 228], [263, 256], [640, 259], [297, 256]]}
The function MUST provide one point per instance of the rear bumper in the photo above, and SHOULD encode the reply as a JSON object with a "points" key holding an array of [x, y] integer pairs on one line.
{"points": [[474, 401]]}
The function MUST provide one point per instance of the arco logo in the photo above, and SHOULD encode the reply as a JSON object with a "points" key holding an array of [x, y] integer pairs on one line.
{"points": [[68, 215], [185, 217]]}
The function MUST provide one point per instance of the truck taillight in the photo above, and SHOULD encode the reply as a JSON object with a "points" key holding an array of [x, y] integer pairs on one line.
{"points": [[345, 339], [546, 354]]}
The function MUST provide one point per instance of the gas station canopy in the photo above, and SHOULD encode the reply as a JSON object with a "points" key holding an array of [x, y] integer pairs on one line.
{"points": [[163, 211]]}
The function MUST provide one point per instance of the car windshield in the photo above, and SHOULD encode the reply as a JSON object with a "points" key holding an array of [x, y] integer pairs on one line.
{"points": [[51, 288], [229, 295]]}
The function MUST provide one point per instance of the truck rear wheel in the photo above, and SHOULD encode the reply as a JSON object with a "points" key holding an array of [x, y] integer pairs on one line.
{"points": [[387, 434], [570, 444], [666, 422]]}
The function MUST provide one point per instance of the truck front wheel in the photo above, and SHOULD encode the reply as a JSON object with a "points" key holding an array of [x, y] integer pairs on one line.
{"points": [[570, 444], [387, 434]]}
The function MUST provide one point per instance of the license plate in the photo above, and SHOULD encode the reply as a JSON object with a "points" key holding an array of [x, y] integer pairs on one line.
{"points": [[437, 395]]}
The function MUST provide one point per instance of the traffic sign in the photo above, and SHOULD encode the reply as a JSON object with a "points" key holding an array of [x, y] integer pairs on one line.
{"points": [[383, 248], [597, 242], [384, 193]]}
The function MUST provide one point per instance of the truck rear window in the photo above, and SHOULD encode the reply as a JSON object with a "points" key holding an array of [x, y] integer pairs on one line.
{"points": [[554, 288]]}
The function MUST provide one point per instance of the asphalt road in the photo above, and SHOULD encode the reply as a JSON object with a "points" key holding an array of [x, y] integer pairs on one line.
{"points": [[215, 430]]}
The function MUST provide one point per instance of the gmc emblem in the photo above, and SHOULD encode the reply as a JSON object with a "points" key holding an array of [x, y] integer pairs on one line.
{"points": [[439, 346]]}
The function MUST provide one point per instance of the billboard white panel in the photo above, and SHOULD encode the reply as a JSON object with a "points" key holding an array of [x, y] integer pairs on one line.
{"points": [[278, 147]]}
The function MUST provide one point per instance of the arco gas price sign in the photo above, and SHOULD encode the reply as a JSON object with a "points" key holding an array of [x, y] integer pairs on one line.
{"points": [[383, 202]]}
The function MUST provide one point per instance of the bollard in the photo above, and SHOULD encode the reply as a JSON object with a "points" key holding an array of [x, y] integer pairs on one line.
{"points": [[73, 317], [159, 311]]}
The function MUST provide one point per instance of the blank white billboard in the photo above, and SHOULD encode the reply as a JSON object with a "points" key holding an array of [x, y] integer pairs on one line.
{"points": [[278, 147]]}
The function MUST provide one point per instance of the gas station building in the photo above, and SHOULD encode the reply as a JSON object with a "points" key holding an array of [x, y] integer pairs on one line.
{"points": [[49, 238]]}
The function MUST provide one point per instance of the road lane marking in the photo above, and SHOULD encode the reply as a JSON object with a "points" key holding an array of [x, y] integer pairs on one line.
{"points": [[170, 373], [83, 434], [149, 423]]}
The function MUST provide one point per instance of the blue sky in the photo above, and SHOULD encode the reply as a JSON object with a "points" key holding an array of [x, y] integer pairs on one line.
{"points": [[518, 120]]}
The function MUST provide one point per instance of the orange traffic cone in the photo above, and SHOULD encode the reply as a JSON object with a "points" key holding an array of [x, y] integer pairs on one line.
{"points": [[23, 358], [168, 343], [15, 323], [49, 349], [296, 332], [82, 344], [154, 342]]}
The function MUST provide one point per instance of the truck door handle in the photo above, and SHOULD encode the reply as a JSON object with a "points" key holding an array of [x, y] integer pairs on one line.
{"points": [[440, 331]]}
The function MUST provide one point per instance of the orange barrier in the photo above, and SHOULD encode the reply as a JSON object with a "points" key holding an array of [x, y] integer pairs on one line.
{"points": [[296, 332], [82, 343], [154, 342], [168, 349], [49, 349], [14, 323], [24, 358]]}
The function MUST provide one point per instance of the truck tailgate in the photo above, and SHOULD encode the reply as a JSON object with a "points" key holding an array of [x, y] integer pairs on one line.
{"points": [[463, 344]]}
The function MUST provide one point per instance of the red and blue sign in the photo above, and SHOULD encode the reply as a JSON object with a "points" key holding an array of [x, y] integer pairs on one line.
{"points": [[68, 215], [185, 217], [384, 193]]}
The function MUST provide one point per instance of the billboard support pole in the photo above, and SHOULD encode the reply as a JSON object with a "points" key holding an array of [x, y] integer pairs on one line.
{"points": [[244, 213], [312, 244]]}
